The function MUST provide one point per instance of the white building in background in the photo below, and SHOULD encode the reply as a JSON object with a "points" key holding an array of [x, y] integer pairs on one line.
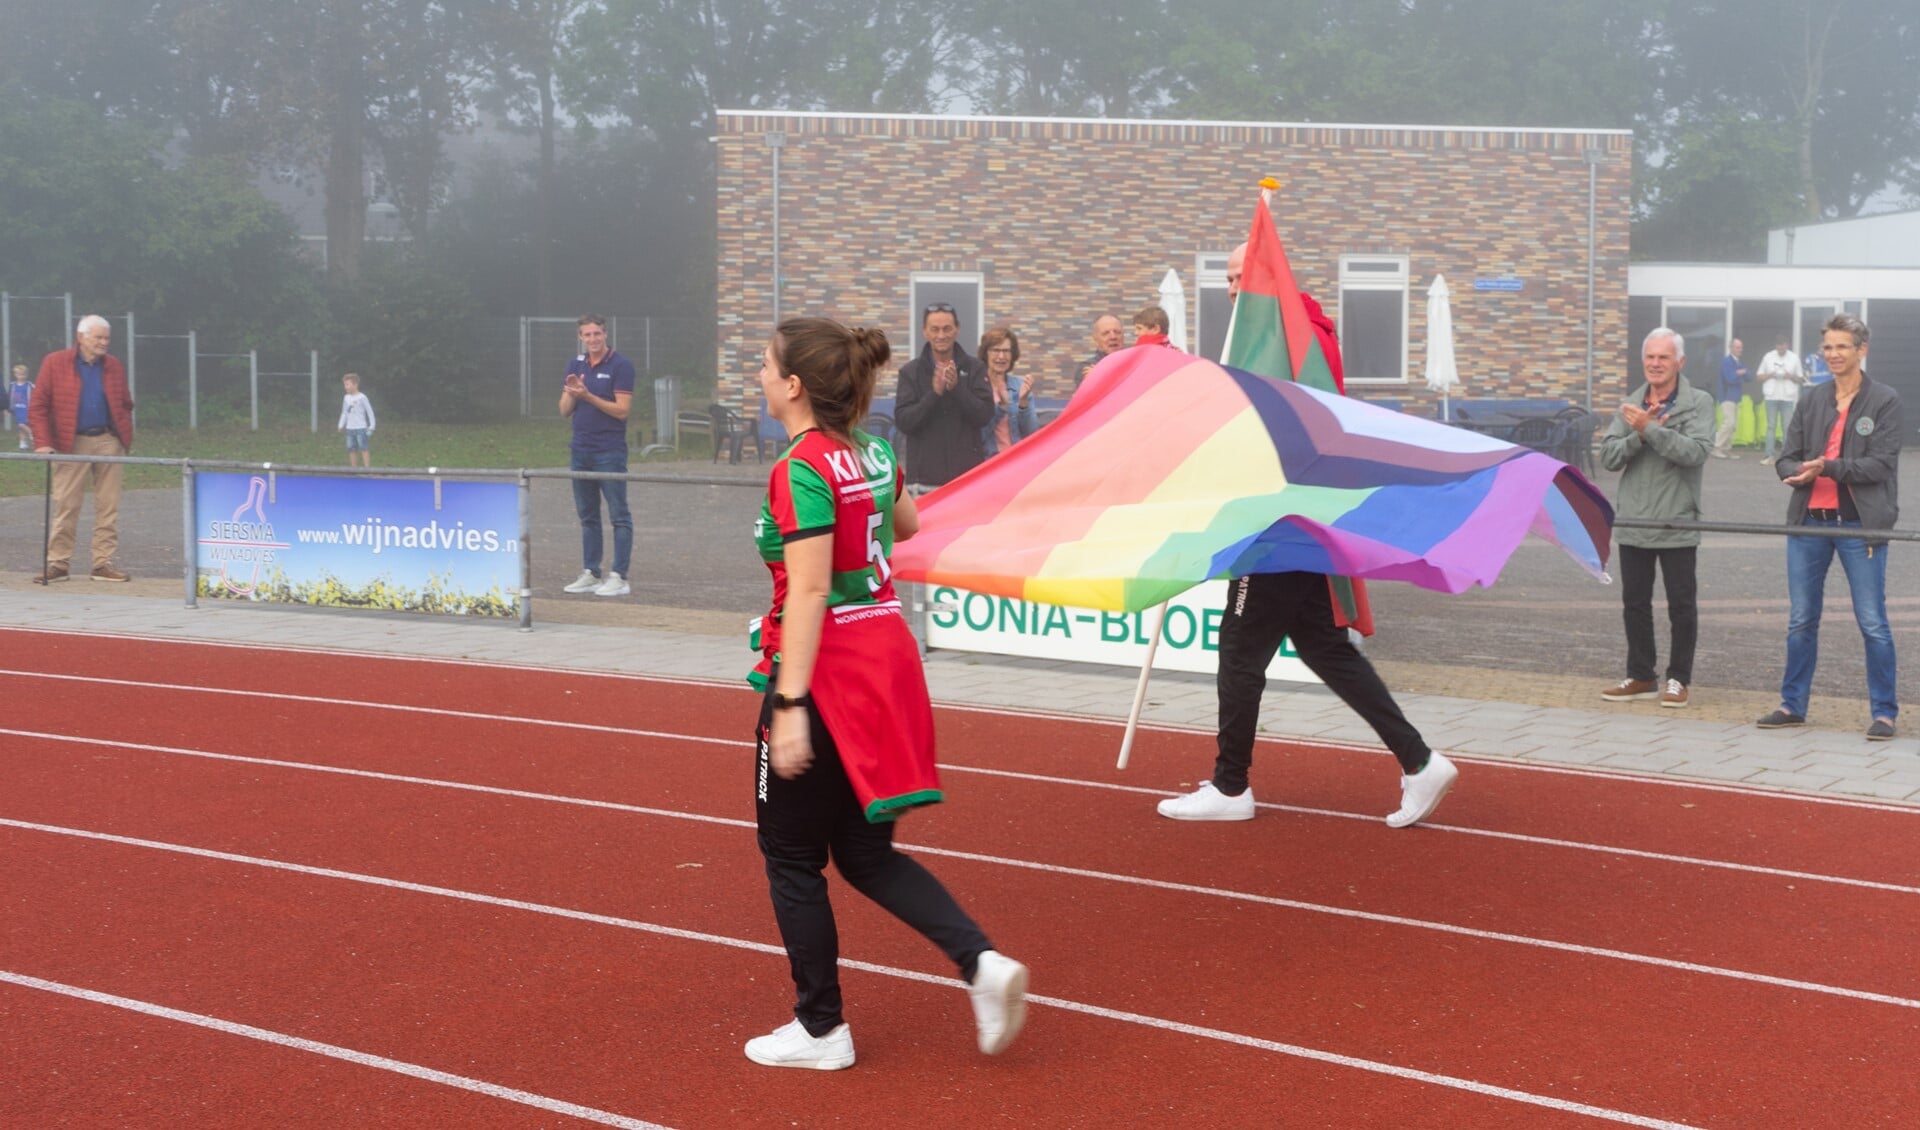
{"points": [[1868, 265], [1887, 239]]}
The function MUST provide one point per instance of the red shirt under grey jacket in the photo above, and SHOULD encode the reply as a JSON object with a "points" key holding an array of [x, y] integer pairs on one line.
{"points": [[56, 400]]}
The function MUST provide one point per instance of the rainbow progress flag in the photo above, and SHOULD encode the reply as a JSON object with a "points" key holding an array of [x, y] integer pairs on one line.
{"points": [[1166, 470]]}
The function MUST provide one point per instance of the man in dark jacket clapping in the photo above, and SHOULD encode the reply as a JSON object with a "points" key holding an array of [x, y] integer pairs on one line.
{"points": [[941, 403]]}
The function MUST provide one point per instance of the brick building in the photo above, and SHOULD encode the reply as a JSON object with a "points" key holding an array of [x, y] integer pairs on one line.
{"points": [[1044, 223]]}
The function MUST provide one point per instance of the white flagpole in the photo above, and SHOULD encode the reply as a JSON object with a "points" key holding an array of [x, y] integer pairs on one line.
{"points": [[1140, 688], [1160, 622]]}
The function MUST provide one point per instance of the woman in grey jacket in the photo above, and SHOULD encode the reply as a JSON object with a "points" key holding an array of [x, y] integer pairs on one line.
{"points": [[1842, 460]]}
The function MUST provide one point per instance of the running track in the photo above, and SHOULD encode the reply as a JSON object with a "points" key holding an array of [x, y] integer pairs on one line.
{"points": [[250, 887]]}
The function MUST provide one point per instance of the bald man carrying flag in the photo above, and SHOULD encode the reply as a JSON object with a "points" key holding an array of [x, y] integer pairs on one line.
{"points": [[1281, 333]]}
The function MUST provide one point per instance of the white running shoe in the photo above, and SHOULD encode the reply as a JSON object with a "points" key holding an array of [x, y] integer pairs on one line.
{"points": [[614, 585], [1208, 803], [999, 994], [1421, 793], [790, 1046], [585, 582]]}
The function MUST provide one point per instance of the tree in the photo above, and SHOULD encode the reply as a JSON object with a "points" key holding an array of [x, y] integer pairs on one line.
{"points": [[1028, 58], [114, 56], [1489, 62], [524, 45], [91, 209], [1703, 202], [1840, 77], [327, 82]]}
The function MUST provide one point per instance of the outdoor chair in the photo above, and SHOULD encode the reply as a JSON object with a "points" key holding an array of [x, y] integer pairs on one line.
{"points": [[1542, 433], [1576, 442], [731, 431], [691, 421]]}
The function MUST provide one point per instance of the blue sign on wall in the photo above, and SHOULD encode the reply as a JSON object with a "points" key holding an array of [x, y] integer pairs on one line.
{"points": [[358, 543], [1507, 283]]}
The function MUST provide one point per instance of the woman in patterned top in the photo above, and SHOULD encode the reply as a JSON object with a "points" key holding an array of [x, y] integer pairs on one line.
{"points": [[845, 737]]}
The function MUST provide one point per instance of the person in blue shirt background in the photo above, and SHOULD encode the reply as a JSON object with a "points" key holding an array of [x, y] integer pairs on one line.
{"points": [[1817, 371], [1733, 386], [597, 398]]}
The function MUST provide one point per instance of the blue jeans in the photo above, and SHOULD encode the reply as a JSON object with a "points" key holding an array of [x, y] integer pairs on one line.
{"points": [[586, 503], [1773, 434], [1866, 569]]}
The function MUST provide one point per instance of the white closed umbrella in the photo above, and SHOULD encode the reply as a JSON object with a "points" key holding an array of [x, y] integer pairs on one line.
{"points": [[1442, 373], [1173, 299]]}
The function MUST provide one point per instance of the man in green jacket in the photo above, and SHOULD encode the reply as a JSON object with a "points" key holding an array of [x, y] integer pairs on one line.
{"points": [[1659, 442]]}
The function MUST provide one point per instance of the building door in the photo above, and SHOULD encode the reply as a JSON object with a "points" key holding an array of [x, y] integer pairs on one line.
{"points": [[961, 291], [1809, 316], [1212, 311], [1704, 327]]}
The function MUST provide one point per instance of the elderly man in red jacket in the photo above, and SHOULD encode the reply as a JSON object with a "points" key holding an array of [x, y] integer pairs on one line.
{"points": [[82, 406]]}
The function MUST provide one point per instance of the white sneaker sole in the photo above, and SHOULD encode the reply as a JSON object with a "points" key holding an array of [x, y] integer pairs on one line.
{"points": [[1013, 1005], [1402, 819], [621, 591], [1206, 817], [829, 1063], [839, 1062]]}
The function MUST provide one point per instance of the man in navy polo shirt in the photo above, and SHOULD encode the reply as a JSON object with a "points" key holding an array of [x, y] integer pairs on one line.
{"points": [[597, 397]]}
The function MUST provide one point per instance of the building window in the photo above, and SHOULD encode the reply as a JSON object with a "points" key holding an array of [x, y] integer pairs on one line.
{"points": [[960, 290], [1212, 311], [1373, 317], [1704, 325]]}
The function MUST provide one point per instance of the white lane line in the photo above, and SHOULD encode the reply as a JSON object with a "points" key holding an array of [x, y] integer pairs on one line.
{"points": [[1025, 713], [1515, 837], [319, 700], [1072, 872], [402, 657], [332, 1051], [398, 778], [1490, 833], [1623, 776], [1318, 1055]]}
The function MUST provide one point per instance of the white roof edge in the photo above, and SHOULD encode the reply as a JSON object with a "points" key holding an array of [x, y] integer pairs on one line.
{"points": [[1770, 281], [843, 115], [1662, 265], [1843, 220]]}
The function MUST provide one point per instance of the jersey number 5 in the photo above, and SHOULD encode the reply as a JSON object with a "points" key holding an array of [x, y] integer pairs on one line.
{"points": [[876, 555]]}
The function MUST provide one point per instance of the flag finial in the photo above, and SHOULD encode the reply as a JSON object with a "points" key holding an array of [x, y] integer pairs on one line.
{"points": [[1268, 185]]}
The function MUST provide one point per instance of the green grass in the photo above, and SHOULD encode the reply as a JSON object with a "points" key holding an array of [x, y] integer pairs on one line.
{"points": [[537, 442]]}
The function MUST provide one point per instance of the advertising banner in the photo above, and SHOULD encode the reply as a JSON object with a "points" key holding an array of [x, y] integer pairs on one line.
{"points": [[999, 625], [358, 542]]}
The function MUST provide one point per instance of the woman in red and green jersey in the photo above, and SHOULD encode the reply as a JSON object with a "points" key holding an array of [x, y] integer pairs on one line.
{"points": [[845, 737]]}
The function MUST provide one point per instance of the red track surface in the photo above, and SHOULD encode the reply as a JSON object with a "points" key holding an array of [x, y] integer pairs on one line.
{"points": [[586, 922]]}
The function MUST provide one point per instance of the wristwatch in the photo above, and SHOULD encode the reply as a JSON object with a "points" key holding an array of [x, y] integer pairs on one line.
{"points": [[789, 701]]}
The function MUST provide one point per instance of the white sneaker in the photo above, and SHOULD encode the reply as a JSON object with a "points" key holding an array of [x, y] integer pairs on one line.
{"points": [[1421, 793], [999, 994], [1208, 803], [614, 585], [585, 582], [790, 1046]]}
